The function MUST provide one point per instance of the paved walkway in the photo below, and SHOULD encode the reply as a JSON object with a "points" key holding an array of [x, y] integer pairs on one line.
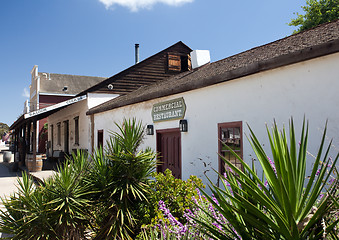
{"points": [[8, 179], [8, 183]]}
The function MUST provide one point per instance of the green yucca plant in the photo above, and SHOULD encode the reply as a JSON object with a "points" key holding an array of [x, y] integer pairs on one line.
{"points": [[25, 214], [69, 198], [57, 209], [121, 175], [288, 206]]}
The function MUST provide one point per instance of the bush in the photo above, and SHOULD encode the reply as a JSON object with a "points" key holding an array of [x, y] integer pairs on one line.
{"points": [[100, 199], [177, 194], [57, 209], [168, 227]]}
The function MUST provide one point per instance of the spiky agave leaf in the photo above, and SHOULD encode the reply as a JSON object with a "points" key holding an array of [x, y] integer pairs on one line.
{"points": [[285, 203]]}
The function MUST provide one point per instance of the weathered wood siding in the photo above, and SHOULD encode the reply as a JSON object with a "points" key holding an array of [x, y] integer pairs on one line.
{"points": [[164, 64]]}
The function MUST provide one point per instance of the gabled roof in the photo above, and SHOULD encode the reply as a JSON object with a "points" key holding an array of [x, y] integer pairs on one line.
{"points": [[146, 72], [306, 45], [51, 83]]}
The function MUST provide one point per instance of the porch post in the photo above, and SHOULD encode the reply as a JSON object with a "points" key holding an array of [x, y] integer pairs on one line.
{"points": [[17, 132], [24, 136], [16, 140], [29, 137], [34, 142], [20, 146]]}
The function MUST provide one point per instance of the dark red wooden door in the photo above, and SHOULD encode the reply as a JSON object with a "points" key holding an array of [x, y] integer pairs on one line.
{"points": [[169, 149]]}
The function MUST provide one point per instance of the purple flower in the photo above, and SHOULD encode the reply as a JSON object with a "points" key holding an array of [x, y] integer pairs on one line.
{"points": [[272, 165], [214, 199], [189, 230], [318, 172], [331, 180], [259, 186], [218, 226], [266, 184]]}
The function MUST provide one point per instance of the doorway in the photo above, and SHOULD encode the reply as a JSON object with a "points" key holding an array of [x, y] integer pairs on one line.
{"points": [[100, 139], [169, 149]]}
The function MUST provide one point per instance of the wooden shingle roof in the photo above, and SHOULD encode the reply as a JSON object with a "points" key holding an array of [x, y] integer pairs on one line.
{"points": [[52, 83], [316, 42]]}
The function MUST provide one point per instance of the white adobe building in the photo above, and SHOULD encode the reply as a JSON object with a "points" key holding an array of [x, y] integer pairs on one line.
{"points": [[71, 129], [296, 76], [48, 92]]}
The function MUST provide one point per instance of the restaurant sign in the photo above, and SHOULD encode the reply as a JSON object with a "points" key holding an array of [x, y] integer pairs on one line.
{"points": [[169, 110]]}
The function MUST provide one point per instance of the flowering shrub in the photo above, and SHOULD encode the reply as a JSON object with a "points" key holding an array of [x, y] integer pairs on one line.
{"points": [[177, 194], [170, 227]]}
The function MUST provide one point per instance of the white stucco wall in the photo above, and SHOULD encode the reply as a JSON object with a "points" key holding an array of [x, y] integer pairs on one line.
{"points": [[303, 89], [94, 99], [69, 113], [78, 109]]}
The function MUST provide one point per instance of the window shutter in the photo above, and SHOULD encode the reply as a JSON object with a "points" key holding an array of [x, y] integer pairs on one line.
{"points": [[189, 63], [174, 63]]}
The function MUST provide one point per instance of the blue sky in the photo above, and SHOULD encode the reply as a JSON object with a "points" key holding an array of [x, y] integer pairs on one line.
{"points": [[97, 37]]}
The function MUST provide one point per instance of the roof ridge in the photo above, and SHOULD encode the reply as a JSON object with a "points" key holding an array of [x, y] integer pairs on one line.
{"points": [[65, 74]]}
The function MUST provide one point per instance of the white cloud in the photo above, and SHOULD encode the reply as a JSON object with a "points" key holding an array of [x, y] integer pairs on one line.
{"points": [[135, 5], [25, 93]]}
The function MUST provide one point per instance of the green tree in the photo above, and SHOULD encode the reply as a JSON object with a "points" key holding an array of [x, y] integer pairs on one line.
{"points": [[316, 12], [3, 128]]}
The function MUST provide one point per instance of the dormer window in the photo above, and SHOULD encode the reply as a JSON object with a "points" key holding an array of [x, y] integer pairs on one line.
{"points": [[178, 63], [174, 63]]}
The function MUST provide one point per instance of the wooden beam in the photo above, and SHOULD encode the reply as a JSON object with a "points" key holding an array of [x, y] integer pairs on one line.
{"points": [[34, 142], [29, 136]]}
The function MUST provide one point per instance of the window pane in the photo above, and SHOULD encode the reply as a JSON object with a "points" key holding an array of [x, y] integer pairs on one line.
{"points": [[230, 135]]}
